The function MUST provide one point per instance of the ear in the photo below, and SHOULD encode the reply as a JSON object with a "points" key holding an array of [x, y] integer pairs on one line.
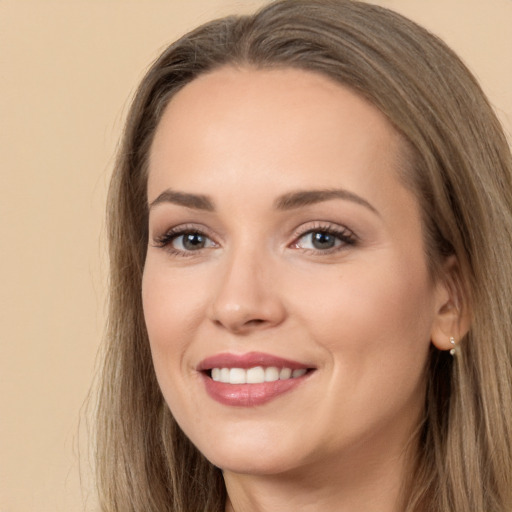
{"points": [[453, 315]]}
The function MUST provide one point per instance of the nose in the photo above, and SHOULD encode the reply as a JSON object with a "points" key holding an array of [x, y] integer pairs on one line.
{"points": [[246, 298]]}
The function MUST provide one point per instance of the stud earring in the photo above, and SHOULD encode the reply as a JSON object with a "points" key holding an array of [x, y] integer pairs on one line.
{"points": [[452, 341]]}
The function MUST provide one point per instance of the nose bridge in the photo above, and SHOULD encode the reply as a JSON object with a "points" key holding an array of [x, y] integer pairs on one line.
{"points": [[246, 297]]}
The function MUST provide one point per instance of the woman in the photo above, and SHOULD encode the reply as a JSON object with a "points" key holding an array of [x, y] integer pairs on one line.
{"points": [[310, 225]]}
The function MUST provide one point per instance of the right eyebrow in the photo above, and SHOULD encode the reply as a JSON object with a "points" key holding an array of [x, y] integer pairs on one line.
{"points": [[196, 201]]}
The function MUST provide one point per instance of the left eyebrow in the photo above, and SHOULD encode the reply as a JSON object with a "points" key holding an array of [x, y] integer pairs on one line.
{"points": [[293, 200]]}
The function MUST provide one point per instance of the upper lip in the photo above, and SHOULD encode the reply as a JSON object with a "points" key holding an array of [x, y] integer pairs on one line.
{"points": [[248, 360]]}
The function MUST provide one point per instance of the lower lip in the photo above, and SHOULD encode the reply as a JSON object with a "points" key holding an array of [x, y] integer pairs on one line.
{"points": [[248, 395]]}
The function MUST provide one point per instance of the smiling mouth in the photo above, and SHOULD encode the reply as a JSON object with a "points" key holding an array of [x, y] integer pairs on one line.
{"points": [[251, 379], [254, 375]]}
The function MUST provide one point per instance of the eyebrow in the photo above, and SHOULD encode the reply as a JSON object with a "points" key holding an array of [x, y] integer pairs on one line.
{"points": [[289, 201], [302, 198], [196, 201]]}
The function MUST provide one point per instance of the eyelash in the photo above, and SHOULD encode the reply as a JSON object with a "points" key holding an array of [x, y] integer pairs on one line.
{"points": [[165, 241], [344, 235]]}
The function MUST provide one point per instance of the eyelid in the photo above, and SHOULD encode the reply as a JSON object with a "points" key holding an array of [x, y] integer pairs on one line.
{"points": [[163, 240], [343, 233], [320, 225]]}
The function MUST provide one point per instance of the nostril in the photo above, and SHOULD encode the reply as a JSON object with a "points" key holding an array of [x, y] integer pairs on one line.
{"points": [[256, 321], [243, 326]]}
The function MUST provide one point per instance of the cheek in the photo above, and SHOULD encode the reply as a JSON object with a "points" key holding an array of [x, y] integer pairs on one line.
{"points": [[172, 307], [374, 327], [171, 301], [381, 310]]}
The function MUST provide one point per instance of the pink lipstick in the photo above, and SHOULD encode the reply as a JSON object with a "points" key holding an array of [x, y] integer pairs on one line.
{"points": [[250, 379]]}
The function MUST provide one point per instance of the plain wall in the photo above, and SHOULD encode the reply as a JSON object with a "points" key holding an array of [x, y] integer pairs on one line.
{"points": [[67, 70]]}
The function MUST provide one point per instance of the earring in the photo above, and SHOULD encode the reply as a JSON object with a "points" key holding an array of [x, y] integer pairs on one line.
{"points": [[452, 341]]}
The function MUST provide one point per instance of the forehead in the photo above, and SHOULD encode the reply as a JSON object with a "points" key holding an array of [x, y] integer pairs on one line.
{"points": [[256, 120]]}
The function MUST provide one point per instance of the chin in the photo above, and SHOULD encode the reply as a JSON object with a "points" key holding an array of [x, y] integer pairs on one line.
{"points": [[255, 455], [256, 464]]}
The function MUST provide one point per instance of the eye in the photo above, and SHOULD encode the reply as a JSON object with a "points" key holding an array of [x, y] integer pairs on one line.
{"points": [[183, 241], [318, 240], [325, 239], [191, 241]]}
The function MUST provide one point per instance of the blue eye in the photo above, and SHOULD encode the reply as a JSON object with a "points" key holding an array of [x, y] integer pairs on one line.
{"points": [[325, 239], [321, 240], [191, 241], [183, 241]]}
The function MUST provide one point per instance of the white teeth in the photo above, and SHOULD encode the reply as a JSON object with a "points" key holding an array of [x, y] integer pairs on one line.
{"points": [[271, 374], [255, 375], [285, 373], [224, 375], [237, 376]]}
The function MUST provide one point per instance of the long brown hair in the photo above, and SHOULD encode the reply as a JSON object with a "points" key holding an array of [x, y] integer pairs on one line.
{"points": [[460, 171]]}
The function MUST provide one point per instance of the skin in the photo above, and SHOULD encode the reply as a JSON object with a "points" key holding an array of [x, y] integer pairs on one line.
{"points": [[362, 314]]}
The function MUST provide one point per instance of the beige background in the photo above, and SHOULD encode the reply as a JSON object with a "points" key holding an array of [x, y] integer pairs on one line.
{"points": [[67, 69]]}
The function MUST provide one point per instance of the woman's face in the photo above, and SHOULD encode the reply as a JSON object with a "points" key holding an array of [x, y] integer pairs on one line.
{"points": [[286, 293]]}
